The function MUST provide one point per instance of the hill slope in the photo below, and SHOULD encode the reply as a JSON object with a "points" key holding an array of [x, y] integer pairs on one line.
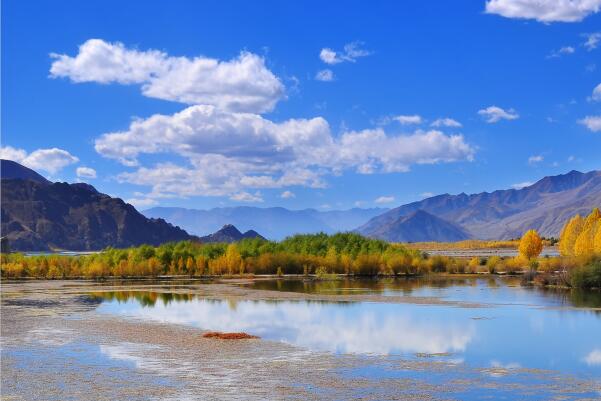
{"points": [[274, 223], [503, 214], [420, 226], [38, 215]]}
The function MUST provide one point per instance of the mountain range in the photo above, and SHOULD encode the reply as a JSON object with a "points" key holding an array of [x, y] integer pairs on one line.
{"points": [[274, 223], [544, 206], [39, 215]]}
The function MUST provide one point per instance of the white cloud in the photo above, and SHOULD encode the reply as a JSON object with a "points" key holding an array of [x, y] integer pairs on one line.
{"points": [[228, 152], [544, 10], [561, 52], [446, 122], [593, 123], [593, 358], [287, 195], [324, 75], [408, 119], [240, 84], [247, 197], [493, 114], [85, 172], [352, 51], [521, 185], [592, 40], [535, 159], [50, 160], [597, 93], [384, 199], [10, 153], [141, 202], [427, 194]]}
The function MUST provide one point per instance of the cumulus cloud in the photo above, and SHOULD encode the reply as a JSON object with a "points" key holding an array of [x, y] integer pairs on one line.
{"points": [[325, 75], [85, 172], [493, 114], [446, 122], [10, 153], [427, 194], [352, 51], [535, 159], [49, 160], [592, 40], [228, 151], [241, 84], [593, 123], [408, 119], [287, 195], [544, 10], [384, 199], [596, 93]]}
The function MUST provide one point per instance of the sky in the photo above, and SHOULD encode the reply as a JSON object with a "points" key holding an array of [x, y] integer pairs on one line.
{"points": [[300, 104]]}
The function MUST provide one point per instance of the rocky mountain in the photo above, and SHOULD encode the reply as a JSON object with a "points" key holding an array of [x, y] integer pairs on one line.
{"points": [[274, 223], [38, 215], [420, 226], [229, 233], [502, 214]]}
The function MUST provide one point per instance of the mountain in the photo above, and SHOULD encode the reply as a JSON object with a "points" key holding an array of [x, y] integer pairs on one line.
{"points": [[274, 223], [38, 215], [420, 226], [229, 233], [502, 214], [11, 170]]}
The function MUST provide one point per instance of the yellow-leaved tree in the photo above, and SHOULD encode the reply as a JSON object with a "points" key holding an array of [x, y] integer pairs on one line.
{"points": [[597, 240], [569, 235], [585, 243], [531, 245]]}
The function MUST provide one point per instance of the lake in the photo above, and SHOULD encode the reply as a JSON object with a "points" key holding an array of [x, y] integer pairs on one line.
{"points": [[480, 336]]}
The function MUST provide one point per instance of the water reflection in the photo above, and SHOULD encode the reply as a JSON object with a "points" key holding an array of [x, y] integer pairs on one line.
{"points": [[337, 327], [490, 289], [514, 331]]}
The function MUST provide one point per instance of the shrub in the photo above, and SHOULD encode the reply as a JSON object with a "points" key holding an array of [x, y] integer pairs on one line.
{"points": [[588, 276]]}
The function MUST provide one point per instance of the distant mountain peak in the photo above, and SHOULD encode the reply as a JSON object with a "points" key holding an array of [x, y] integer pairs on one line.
{"points": [[229, 233]]}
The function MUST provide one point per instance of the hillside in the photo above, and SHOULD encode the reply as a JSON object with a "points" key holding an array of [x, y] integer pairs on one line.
{"points": [[504, 214], [38, 215], [274, 222], [420, 226]]}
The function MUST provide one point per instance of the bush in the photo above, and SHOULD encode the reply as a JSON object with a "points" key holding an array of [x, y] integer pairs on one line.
{"points": [[588, 276]]}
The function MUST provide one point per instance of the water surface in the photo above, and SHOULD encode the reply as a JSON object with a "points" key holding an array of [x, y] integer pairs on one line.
{"points": [[513, 327]]}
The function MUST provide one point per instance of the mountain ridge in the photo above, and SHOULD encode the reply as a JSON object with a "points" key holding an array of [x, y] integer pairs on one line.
{"points": [[38, 215], [507, 213]]}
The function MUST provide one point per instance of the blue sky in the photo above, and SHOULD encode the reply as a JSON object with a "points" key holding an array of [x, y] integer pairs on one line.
{"points": [[301, 104]]}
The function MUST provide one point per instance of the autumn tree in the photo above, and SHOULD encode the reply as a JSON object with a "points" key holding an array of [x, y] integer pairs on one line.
{"points": [[597, 240], [233, 260], [585, 243], [570, 234], [531, 245]]}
